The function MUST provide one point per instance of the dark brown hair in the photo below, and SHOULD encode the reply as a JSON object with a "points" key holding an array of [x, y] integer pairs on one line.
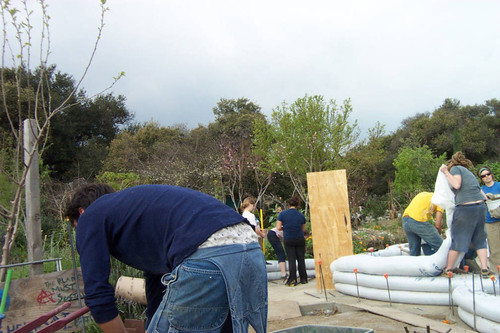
{"points": [[294, 201], [83, 197], [481, 169]]}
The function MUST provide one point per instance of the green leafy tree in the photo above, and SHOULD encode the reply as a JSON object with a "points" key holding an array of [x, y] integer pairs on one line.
{"points": [[452, 127], [153, 152], [464, 128], [361, 163], [474, 129], [80, 135], [119, 181], [309, 135], [167, 155], [416, 171], [232, 131]]}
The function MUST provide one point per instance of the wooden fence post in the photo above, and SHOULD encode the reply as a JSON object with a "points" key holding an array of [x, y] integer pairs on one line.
{"points": [[32, 195]]}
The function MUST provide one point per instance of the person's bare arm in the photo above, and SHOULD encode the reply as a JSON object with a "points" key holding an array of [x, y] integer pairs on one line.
{"points": [[279, 225], [305, 231], [455, 181], [439, 218], [113, 326], [260, 232]]}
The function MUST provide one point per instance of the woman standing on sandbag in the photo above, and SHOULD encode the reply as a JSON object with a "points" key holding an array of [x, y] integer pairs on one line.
{"points": [[470, 212]]}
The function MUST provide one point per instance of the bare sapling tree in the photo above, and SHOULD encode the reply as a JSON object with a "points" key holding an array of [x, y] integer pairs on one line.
{"points": [[26, 94]]}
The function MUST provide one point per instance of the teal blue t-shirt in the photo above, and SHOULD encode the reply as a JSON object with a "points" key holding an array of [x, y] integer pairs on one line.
{"points": [[494, 189]]}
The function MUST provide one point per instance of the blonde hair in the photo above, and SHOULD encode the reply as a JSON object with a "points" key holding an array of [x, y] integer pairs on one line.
{"points": [[432, 208], [247, 202], [459, 159]]}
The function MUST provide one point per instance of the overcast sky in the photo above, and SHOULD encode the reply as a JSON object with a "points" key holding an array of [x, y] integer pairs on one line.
{"points": [[392, 58]]}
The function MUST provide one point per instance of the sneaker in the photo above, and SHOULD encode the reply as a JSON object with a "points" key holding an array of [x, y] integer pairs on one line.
{"points": [[486, 273], [291, 283]]}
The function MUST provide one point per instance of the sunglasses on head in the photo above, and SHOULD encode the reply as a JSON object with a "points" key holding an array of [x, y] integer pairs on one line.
{"points": [[486, 174]]}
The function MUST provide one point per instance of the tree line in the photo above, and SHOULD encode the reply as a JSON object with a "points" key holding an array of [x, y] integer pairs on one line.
{"points": [[243, 152]]}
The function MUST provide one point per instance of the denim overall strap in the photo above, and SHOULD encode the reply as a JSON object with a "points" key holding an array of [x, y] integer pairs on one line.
{"points": [[244, 269]]}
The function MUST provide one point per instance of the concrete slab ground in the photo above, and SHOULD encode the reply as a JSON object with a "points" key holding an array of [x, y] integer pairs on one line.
{"points": [[308, 305]]}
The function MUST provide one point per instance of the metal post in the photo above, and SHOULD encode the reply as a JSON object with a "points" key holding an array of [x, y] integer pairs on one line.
{"points": [[75, 272]]}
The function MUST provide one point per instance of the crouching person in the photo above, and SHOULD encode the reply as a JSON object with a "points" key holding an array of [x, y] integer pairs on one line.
{"points": [[417, 226], [203, 266]]}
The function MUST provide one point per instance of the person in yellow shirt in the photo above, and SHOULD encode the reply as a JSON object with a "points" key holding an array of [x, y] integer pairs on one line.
{"points": [[417, 226]]}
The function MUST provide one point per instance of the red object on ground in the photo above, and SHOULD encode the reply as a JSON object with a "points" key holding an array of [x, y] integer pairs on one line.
{"points": [[57, 325]]}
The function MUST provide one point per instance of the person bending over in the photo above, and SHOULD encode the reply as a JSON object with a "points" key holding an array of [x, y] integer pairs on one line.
{"points": [[417, 226], [203, 267]]}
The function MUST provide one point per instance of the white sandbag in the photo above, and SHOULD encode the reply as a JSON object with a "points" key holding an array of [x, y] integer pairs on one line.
{"points": [[444, 197], [486, 305]]}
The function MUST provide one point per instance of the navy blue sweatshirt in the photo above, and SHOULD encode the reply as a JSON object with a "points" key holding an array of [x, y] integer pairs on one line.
{"points": [[150, 227]]}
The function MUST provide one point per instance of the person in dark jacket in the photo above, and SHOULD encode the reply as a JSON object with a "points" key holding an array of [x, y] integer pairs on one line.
{"points": [[201, 260], [293, 224]]}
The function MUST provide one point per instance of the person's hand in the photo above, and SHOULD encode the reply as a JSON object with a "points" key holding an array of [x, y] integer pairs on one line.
{"points": [[444, 169]]}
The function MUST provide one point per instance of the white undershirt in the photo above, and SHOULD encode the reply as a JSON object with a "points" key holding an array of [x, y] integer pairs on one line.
{"points": [[240, 233]]}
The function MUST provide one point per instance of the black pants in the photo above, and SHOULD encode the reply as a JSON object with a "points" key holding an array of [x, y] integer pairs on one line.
{"points": [[296, 251]]}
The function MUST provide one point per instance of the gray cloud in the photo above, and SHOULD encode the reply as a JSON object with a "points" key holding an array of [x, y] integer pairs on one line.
{"points": [[392, 58]]}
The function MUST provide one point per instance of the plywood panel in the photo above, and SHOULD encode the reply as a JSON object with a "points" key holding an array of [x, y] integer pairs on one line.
{"points": [[32, 297], [330, 220]]}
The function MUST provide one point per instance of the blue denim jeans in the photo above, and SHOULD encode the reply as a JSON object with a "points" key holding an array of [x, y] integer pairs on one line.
{"points": [[416, 231], [216, 289]]}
